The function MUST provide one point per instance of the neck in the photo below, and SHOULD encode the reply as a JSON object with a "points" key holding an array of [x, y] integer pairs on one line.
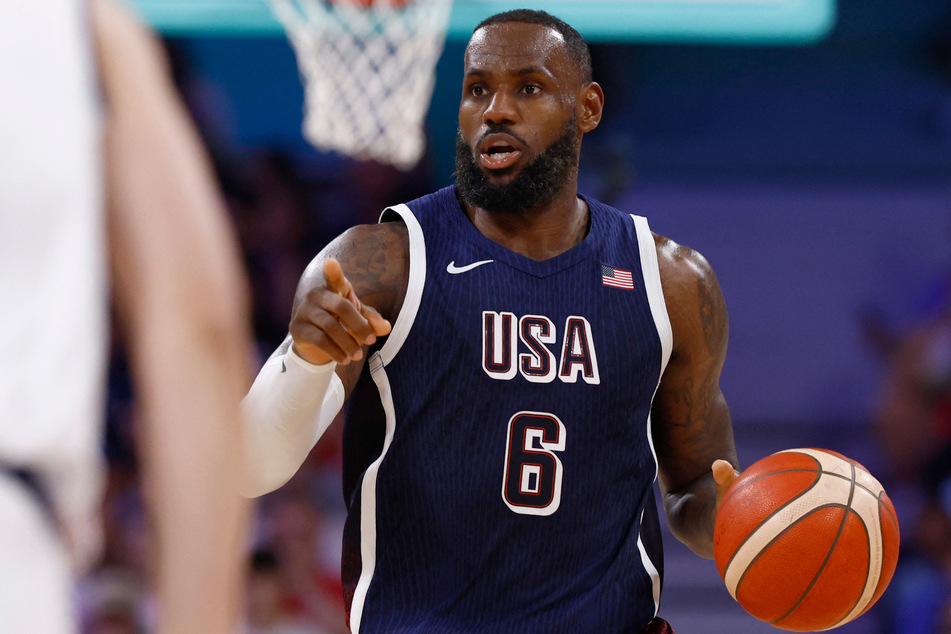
{"points": [[539, 233]]}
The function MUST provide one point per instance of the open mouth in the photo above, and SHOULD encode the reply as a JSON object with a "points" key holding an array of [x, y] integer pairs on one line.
{"points": [[499, 154]]}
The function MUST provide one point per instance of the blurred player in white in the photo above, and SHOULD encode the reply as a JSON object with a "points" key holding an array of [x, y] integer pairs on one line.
{"points": [[104, 186]]}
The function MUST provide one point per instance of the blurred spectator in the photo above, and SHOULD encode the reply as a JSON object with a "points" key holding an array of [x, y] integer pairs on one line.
{"points": [[920, 599], [914, 416], [115, 597], [112, 602], [934, 532], [291, 585], [266, 610]]}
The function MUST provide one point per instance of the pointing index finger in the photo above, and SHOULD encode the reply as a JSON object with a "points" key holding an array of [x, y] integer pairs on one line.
{"points": [[338, 282]]}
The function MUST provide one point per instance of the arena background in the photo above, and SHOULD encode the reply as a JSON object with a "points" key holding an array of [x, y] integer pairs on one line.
{"points": [[808, 157]]}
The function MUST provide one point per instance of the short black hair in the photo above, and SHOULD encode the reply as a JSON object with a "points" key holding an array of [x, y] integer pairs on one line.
{"points": [[577, 48]]}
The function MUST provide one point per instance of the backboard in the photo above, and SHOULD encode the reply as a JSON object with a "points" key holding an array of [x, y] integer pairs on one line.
{"points": [[727, 21]]}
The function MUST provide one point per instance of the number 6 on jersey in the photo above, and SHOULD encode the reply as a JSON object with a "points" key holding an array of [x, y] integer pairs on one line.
{"points": [[532, 481]]}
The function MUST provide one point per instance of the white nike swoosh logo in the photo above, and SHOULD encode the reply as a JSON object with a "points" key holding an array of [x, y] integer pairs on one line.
{"points": [[452, 269]]}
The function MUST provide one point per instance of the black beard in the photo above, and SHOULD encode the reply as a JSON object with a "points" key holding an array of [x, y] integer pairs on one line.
{"points": [[537, 184]]}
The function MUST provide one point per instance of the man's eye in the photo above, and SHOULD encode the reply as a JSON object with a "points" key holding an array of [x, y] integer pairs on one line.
{"points": [[477, 91], [531, 89]]}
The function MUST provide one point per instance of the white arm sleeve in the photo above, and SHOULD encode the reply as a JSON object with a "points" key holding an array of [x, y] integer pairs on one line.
{"points": [[289, 406]]}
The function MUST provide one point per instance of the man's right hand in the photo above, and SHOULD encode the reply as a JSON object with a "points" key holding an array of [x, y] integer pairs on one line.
{"points": [[332, 324]]}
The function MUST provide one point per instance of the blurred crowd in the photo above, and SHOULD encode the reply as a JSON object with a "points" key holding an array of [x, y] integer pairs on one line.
{"points": [[913, 431]]}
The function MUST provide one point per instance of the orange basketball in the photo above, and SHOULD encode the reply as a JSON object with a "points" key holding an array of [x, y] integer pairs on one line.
{"points": [[806, 540]]}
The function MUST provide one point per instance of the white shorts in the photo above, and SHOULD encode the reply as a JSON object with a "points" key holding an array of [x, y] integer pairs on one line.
{"points": [[36, 584]]}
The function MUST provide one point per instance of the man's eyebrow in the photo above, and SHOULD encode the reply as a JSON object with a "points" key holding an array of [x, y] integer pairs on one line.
{"points": [[531, 70], [528, 70]]}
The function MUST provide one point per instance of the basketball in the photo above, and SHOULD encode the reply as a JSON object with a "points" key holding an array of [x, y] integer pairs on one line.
{"points": [[806, 540]]}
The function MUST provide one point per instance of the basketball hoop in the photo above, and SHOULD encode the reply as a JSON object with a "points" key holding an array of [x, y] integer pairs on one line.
{"points": [[368, 68]]}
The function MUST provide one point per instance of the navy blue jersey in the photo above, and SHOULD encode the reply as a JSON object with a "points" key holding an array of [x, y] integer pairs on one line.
{"points": [[498, 464]]}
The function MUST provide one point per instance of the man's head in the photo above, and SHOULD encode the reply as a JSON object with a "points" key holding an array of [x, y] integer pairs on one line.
{"points": [[575, 45], [527, 100]]}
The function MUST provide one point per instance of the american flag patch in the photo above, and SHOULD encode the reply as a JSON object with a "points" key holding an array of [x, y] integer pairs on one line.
{"points": [[617, 278]]}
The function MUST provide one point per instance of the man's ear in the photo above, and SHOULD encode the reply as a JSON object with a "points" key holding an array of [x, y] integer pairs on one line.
{"points": [[591, 106]]}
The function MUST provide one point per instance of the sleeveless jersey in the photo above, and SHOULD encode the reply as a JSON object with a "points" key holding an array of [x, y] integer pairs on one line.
{"points": [[53, 289], [498, 464]]}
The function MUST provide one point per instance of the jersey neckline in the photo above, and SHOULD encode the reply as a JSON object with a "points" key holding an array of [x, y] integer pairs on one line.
{"points": [[458, 220]]}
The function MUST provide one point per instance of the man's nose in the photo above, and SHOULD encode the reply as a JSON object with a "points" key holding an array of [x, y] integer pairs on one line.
{"points": [[502, 109]]}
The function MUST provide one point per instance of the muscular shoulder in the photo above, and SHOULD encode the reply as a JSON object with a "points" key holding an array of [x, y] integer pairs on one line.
{"points": [[375, 258], [693, 296]]}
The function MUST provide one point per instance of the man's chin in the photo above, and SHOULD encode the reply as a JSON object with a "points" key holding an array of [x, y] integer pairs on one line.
{"points": [[500, 177]]}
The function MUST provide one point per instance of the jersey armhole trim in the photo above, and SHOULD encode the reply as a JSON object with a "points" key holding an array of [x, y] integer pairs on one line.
{"points": [[647, 249], [655, 291], [414, 286]]}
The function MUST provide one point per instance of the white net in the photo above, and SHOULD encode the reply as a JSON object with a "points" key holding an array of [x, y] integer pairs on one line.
{"points": [[368, 68]]}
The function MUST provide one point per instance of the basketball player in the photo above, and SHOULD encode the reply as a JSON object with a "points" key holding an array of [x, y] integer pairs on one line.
{"points": [[100, 166], [520, 363]]}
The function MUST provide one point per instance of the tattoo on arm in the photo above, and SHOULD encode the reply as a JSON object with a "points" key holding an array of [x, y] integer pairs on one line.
{"points": [[712, 314], [692, 418], [692, 415], [376, 263]]}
